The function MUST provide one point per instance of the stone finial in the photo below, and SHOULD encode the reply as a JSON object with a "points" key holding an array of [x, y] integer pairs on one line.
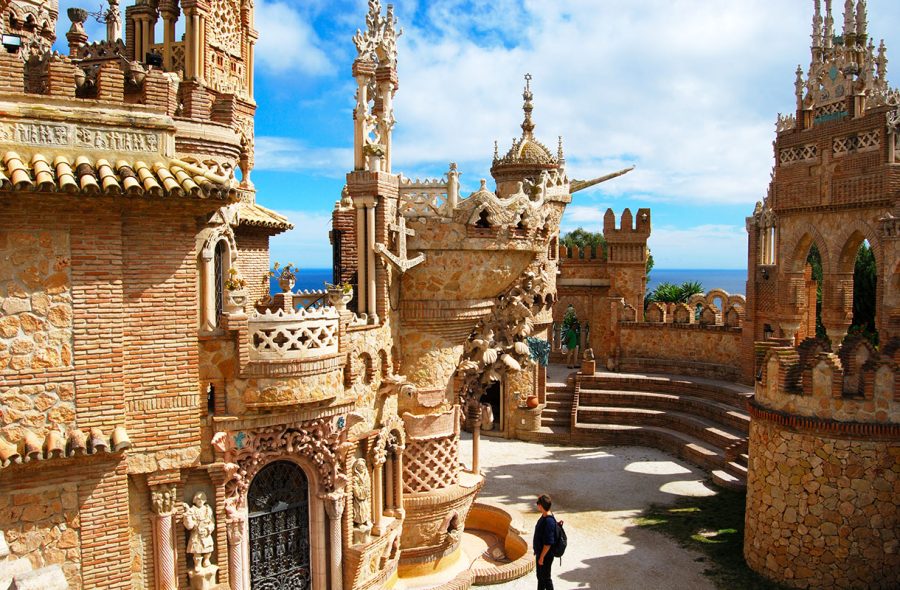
{"points": [[829, 26], [881, 62], [816, 29], [849, 20], [379, 41], [560, 156], [862, 21], [527, 95], [798, 87]]}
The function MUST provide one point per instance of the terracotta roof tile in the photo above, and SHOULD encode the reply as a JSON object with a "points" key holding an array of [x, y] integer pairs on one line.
{"points": [[56, 444], [170, 178], [259, 216]]}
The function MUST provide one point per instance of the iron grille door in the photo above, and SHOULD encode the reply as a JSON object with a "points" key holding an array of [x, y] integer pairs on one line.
{"points": [[279, 528]]}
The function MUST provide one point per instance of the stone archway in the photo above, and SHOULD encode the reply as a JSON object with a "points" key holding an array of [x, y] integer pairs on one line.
{"points": [[278, 519]]}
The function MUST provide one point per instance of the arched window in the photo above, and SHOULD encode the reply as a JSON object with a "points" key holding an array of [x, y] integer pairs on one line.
{"points": [[220, 259]]}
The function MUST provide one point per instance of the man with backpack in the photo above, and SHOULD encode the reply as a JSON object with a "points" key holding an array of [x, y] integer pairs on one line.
{"points": [[546, 538]]}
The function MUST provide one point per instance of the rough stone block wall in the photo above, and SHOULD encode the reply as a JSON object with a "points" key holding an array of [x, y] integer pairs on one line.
{"points": [[822, 512], [35, 300], [70, 515], [688, 344], [41, 523]]}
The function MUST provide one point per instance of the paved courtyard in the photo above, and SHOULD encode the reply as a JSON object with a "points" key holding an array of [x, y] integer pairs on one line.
{"points": [[597, 492]]}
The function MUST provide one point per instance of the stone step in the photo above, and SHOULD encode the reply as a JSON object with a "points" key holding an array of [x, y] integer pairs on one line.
{"points": [[736, 469], [728, 481], [683, 445], [701, 428], [555, 422], [725, 414], [719, 391], [555, 403]]}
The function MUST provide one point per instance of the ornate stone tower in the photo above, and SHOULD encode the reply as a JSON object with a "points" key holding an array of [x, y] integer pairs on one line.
{"points": [[825, 434]]}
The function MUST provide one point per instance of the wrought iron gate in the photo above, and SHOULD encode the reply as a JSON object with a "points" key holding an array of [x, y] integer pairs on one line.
{"points": [[279, 528]]}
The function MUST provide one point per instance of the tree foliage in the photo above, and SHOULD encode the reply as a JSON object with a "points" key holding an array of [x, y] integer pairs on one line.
{"points": [[672, 293], [865, 277], [814, 259], [650, 262], [585, 240]]}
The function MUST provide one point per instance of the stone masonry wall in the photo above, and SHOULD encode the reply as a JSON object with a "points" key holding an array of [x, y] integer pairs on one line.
{"points": [[35, 300], [253, 262], [691, 344], [822, 512]]}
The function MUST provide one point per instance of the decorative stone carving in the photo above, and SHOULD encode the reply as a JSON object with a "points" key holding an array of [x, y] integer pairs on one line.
{"points": [[498, 346], [246, 452], [162, 500], [199, 520], [362, 502], [400, 260]]}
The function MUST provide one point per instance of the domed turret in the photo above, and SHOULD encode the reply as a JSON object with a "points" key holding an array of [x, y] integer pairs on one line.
{"points": [[527, 157]]}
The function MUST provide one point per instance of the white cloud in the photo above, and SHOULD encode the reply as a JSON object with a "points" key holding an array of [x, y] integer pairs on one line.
{"points": [[287, 43], [590, 217], [307, 244], [293, 155], [716, 246], [687, 90]]}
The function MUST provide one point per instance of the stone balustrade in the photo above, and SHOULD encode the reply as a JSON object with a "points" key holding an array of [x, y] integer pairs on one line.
{"points": [[294, 335]]}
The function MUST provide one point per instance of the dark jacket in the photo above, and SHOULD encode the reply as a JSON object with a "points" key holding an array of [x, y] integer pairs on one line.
{"points": [[544, 534]]}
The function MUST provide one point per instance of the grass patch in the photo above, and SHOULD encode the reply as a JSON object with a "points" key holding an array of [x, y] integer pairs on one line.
{"points": [[713, 526]]}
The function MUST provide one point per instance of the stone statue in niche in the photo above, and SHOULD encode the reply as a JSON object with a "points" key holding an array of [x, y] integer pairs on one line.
{"points": [[487, 417], [362, 505], [199, 520]]}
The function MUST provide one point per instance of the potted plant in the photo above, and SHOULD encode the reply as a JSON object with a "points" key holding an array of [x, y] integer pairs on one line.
{"points": [[287, 276], [339, 295], [235, 289]]}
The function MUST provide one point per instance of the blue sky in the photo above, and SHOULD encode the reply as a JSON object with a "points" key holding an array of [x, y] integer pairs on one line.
{"points": [[687, 90]]}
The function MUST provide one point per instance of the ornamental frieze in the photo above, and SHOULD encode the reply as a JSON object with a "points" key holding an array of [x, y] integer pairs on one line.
{"points": [[68, 135]]}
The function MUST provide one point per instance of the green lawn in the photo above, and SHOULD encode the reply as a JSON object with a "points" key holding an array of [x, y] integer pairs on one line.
{"points": [[713, 526]]}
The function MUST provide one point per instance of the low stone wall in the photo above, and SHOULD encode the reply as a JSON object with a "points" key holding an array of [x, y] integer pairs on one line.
{"points": [[685, 349], [821, 511]]}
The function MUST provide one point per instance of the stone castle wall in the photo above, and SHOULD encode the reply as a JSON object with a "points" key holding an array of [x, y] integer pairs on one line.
{"points": [[822, 511], [690, 349]]}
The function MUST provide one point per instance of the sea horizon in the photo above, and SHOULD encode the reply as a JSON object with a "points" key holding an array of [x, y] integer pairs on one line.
{"points": [[731, 280]]}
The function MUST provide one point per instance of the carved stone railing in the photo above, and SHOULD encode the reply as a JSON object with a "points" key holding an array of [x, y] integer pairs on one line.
{"points": [[291, 336]]}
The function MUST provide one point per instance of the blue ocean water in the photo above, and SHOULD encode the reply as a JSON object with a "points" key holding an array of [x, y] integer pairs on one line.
{"points": [[307, 279], [731, 280], [734, 281]]}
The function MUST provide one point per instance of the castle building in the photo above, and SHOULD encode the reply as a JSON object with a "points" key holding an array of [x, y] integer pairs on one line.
{"points": [[166, 421], [824, 470]]}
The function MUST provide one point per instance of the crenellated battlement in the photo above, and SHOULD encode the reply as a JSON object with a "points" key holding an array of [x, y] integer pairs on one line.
{"points": [[629, 228], [857, 383]]}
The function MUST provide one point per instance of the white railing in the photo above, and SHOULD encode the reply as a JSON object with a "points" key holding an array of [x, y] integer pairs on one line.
{"points": [[291, 336]]}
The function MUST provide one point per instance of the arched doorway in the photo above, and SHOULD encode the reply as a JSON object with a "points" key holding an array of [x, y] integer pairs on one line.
{"points": [[278, 504]]}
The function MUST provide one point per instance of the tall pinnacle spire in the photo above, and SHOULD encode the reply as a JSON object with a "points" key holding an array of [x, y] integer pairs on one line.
{"points": [[527, 124], [829, 26], [861, 22], [817, 30]]}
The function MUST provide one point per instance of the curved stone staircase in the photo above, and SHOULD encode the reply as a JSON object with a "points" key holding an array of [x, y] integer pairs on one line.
{"points": [[700, 420]]}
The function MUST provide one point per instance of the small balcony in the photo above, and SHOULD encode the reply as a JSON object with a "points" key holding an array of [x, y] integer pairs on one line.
{"points": [[296, 335]]}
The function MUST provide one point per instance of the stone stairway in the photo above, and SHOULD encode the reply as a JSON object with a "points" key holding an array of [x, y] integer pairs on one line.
{"points": [[702, 421], [557, 413], [17, 573]]}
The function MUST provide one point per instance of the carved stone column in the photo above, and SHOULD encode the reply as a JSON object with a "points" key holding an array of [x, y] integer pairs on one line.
{"points": [[398, 469], [334, 507], [169, 11], [378, 496], [238, 559], [162, 499], [370, 263], [476, 438], [361, 300]]}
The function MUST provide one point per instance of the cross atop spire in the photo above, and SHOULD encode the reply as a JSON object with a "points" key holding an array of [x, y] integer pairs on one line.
{"points": [[527, 124]]}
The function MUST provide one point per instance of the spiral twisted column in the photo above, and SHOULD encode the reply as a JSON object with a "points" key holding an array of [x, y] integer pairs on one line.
{"points": [[162, 499]]}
